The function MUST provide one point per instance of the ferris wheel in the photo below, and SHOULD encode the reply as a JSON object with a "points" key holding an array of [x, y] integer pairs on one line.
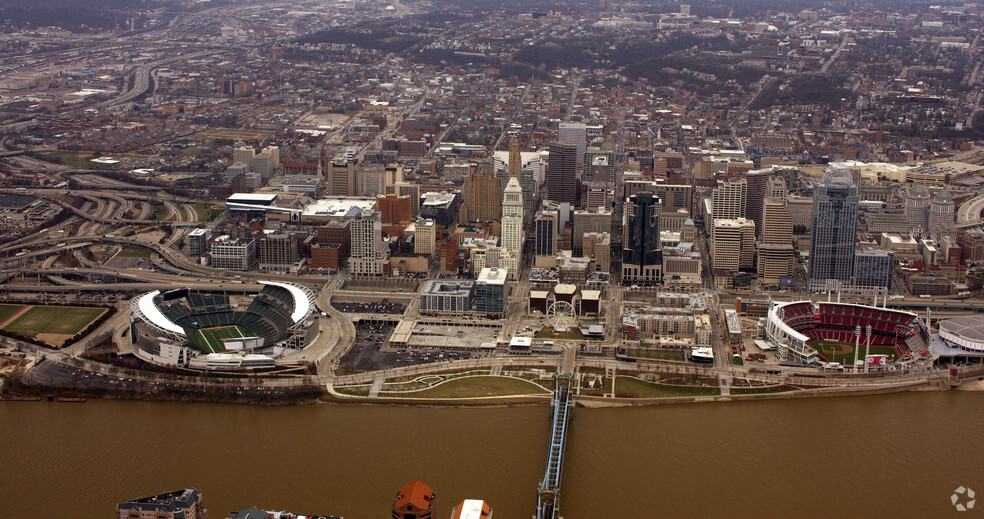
{"points": [[561, 316]]}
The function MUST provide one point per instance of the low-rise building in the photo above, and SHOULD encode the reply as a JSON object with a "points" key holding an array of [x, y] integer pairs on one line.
{"points": [[447, 296]]}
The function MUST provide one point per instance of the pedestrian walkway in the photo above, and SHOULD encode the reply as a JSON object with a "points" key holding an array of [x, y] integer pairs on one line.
{"points": [[377, 385]]}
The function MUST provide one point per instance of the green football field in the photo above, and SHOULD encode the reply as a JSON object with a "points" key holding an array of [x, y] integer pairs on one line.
{"points": [[209, 340], [843, 352], [62, 320]]}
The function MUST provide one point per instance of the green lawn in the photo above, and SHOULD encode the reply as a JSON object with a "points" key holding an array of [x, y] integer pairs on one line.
{"points": [[478, 386], [68, 158], [629, 387], [209, 340], [8, 310], [606, 388], [843, 352], [135, 252], [63, 320]]}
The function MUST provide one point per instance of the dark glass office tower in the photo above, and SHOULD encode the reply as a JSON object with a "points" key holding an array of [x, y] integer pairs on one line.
{"points": [[835, 223]]}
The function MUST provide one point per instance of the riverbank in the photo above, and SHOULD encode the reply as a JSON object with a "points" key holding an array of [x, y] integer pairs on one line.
{"points": [[469, 388], [15, 389]]}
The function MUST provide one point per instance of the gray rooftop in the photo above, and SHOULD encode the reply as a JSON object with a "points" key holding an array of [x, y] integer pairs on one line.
{"points": [[970, 328]]}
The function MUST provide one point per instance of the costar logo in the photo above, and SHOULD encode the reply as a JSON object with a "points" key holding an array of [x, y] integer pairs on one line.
{"points": [[962, 499]]}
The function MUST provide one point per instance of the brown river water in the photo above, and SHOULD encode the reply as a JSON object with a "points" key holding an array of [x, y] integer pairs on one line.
{"points": [[876, 456]]}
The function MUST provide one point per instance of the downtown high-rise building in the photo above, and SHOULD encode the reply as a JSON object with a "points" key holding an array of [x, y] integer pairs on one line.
{"points": [[917, 209], [574, 134], [873, 268], [369, 250], [482, 194], [733, 245], [599, 165], [775, 251], [756, 185], [546, 227], [340, 178], [834, 228], [515, 165], [561, 174], [512, 216], [728, 200], [941, 215], [641, 258], [425, 237], [527, 180]]}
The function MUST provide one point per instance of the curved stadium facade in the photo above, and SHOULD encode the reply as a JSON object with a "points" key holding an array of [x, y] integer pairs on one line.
{"points": [[201, 329], [796, 328]]}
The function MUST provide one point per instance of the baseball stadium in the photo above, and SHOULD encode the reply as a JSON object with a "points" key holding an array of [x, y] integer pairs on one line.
{"points": [[826, 332], [209, 329]]}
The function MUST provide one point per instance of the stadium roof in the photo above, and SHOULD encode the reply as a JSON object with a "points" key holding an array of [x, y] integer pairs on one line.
{"points": [[302, 305], [147, 306]]}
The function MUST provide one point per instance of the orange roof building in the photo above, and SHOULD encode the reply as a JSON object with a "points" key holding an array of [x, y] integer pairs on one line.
{"points": [[415, 501]]}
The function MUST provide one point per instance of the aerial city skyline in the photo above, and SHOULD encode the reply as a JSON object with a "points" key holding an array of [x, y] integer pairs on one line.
{"points": [[565, 205]]}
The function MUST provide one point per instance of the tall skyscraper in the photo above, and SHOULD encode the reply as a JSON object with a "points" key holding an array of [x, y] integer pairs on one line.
{"points": [[244, 155], [585, 222], [599, 165], [370, 180], [528, 182], [873, 268], [775, 253], [574, 134], [728, 200], [917, 209], [835, 223], [482, 196], [776, 188], [369, 251], [512, 216], [340, 179], [512, 198], [757, 184], [733, 246], [425, 237], [641, 259], [546, 229], [515, 165], [941, 215], [561, 170]]}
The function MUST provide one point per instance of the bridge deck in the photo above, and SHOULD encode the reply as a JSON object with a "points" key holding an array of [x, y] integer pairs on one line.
{"points": [[548, 495]]}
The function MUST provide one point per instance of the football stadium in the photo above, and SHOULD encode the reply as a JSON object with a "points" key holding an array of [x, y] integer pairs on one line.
{"points": [[209, 329], [825, 332]]}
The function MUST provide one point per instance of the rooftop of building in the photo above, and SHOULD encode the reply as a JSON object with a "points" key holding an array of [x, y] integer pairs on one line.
{"points": [[166, 502], [416, 494], [969, 328], [341, 207], [252, 198], [840, 178], [436, 199], [448, 286], [493, 276], [872, 251]]}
